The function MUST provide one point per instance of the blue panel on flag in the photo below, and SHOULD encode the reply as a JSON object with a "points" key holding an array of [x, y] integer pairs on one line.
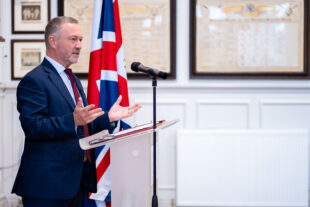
{"points": [[124, 125], [98, 150], [89, 202], [108, 198], [107, 100], [107, 18]]}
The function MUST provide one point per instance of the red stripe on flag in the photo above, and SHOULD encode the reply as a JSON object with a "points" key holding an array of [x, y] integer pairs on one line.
{"points": [[123, 90], [104, 164], [117, 23], [108, 56], [93, 76]]}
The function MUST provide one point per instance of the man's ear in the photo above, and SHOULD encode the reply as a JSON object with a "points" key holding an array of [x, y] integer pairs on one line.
{"points": [[52, 41]]}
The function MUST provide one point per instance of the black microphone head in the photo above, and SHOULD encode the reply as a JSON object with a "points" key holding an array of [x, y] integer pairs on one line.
{"points": [[135, 66], [162, 75]]}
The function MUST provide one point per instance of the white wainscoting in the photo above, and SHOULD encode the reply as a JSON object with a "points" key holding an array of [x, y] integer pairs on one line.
{"points": [[285, 113], [196, 107], [229, 113], [2, 200], [260, 167], [13, 139], [2, 44], [1, 140]]}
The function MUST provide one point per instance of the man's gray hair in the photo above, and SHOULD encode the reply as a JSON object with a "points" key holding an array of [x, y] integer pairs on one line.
{"points": [[55, 24]]}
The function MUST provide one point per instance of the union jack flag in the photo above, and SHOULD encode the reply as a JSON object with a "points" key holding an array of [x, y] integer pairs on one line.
{"points": [[107, 79]]}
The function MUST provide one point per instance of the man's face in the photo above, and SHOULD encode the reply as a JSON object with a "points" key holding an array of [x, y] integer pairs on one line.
{"points": [[68, 44]]}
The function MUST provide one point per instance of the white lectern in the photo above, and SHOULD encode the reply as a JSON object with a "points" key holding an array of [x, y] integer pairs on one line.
{"points": [[131, 162]]}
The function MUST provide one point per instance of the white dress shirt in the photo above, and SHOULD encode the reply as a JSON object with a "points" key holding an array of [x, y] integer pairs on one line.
{"points": [[61, 71]]}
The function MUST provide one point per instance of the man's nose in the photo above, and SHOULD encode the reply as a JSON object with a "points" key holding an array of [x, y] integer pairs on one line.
{"points": [[78, 44]]}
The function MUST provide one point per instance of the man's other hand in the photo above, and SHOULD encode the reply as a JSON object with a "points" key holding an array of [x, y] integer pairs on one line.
{"points": [[118, 112]]}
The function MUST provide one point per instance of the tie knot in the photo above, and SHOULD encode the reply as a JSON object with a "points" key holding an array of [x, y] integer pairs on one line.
{"points": [[68, 71]]}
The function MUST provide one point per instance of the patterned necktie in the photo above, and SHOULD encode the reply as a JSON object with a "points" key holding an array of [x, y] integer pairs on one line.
{"points": [[68, 71]]}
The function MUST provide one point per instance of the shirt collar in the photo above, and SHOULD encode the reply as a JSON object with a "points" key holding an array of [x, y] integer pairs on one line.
{"points": [[59, 67]]}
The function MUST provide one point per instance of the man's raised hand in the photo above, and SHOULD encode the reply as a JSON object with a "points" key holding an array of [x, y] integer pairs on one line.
{"points": [[85, 115]]}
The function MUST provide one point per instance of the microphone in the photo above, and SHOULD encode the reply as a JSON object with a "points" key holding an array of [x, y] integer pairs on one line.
{"points": [[138, 67]]}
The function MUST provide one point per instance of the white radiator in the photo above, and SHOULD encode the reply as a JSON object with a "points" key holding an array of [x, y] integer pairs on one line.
{"points": [[242, 167]]}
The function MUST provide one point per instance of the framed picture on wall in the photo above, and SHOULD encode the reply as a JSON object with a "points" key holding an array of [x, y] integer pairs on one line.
{"points": [[148, 33], [29, 16], [249, 39], [25, 55]]}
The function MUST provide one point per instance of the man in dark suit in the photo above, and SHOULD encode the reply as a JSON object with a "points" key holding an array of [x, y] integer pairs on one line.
{"points": [[54, 170]]}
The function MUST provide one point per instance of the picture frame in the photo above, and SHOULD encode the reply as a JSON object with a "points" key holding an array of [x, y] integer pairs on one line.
{"points": [[30, 16], [25, 55], [159, 53], [244, 40]]}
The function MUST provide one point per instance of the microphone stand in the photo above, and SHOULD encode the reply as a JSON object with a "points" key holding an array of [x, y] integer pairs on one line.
{"points": [[138, 67], [154, 198]]}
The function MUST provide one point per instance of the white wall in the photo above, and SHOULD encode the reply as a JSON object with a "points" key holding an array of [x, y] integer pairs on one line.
{"points": [[199, 104]]}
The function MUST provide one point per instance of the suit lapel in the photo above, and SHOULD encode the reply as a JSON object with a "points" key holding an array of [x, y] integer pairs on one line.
{"points": [[81, 91], [58, 82]]}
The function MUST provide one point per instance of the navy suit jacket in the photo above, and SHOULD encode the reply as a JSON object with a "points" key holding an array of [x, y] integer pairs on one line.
{"points": [[52, 164]]}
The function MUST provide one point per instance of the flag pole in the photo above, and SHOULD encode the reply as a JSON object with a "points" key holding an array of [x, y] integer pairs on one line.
{"points": [[154, 198]]}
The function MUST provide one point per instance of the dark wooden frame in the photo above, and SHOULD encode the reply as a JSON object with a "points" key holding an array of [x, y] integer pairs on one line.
{"points": [[28, 31], [13, 41], [139, 76], [264, 75]]}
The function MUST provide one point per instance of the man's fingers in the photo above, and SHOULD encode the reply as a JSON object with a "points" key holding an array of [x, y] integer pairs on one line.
{"points": [[85, 115], [117, 113], [133, 110], [129, 111], [79, 103], [89, 107], [97, 114], [92, 116], [94, 111], [134, 106], [89, 116]]}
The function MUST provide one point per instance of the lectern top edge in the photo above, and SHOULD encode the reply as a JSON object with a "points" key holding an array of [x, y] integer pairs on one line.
{"points": [[103, 137]]}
